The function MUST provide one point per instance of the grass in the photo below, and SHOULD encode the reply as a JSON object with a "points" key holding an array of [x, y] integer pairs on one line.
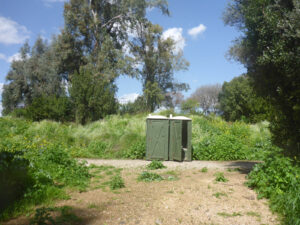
{"points": [[219, 194], [226, 215], [220, 177], [116, 182]]}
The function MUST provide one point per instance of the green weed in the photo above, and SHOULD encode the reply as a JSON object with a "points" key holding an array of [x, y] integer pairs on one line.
{"points": [[116, 182], [219, 194], [226, 215], [149, 177], [220, 177], [155, 165], [204, 170]]}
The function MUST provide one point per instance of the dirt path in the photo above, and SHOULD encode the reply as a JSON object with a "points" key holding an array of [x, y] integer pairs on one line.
{"points": [[194, 197], [243, 165]]}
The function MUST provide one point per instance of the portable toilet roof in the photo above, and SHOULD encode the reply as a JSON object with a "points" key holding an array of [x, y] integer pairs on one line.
{"points": [[180, 118], [157, 117]]}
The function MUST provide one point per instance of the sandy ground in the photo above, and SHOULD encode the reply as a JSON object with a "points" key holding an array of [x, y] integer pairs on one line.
{"points": [[195, 198]]}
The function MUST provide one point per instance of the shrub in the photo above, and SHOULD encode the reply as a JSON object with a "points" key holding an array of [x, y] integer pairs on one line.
{"points": [[278, 179], [154, 165], [14, 177], [136, 151]]}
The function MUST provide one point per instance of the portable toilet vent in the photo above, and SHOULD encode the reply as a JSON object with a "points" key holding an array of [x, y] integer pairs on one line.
{"points": [[169, 138]]}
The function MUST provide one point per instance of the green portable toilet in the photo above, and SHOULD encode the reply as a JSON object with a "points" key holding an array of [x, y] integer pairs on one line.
{"points": [[157, 138], [180, 147]]}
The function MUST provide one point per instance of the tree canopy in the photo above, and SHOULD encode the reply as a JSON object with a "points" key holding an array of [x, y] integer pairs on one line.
{"points": [[269, 49]]}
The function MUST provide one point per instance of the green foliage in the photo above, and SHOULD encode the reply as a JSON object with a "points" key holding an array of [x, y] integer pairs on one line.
{"points": [[219, 194], [116, 182], [14, 177], [155, 165], [43, 216], [204, 170], [53, 108], [214, 139], [138, 106], [93, 96], [159, 62], [278, 179], [226, 215], [136, 151], [190, 106], [33, 170], [267, 49], [220, 177], [33, 76], [238, 101], [149, 177]]}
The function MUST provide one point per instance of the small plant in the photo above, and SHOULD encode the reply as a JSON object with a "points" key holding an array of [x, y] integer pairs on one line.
{"points": [[226, 215], [155, 165], [149, 177], [220, 177], [116, 182], [204, 170], [254, 214], [219, 194], [93, 206]]}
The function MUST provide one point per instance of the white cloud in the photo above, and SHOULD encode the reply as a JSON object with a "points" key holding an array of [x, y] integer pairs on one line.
{"points": [[1, 89], [195, 31], [124, 99], [11, 32], [10, 59], [15, 57], [176, 34]]}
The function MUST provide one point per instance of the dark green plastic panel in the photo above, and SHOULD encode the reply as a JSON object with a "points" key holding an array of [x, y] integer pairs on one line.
{"points": [[176, 140], [189, 153], [157, 139]]}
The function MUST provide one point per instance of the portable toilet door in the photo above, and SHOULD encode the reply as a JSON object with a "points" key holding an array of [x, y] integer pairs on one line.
{"points": [[157, 138], [180, 147]]}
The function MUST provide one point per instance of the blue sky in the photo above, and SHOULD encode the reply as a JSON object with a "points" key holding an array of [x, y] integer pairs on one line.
{"points": [[195, 25]]}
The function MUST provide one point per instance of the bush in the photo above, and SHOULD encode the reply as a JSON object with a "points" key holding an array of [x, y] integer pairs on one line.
{"points": [[49, 107], [14, 177], [279, 180], [136, 151]]}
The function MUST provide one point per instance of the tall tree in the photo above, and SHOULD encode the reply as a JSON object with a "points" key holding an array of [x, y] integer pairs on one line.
{"points": [[156, 62], [269, 48], [238, 100], [32, 76], [207, 97]]}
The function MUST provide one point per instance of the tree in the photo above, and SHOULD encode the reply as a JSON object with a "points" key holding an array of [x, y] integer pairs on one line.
{"points": [[189, 106], [157, 61], [33, 76], [269, 49], [238, 100], [207, 97], [93, 98]]}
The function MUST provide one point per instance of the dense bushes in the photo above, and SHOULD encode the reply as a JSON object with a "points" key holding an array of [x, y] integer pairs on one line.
{"points": [[214, 139], [279, 180], [33, 170]]}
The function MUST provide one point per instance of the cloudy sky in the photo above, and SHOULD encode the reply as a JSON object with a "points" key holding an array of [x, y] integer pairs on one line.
{"points": [[195, 25]]}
